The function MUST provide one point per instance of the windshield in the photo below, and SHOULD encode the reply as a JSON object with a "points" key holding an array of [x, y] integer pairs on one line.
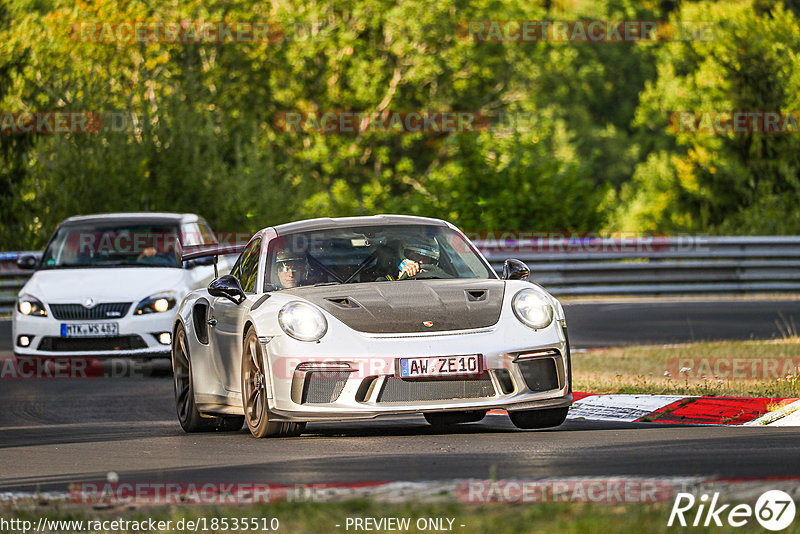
{"points": [[112, 244], [371, 254]]}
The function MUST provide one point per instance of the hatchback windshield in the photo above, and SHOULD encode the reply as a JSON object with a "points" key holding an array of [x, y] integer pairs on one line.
{"points": [[371, 254], [112, 244]]}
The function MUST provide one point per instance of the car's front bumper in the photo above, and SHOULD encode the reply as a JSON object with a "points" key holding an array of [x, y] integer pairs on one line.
{"points": [[524, 370], [137, 337]]}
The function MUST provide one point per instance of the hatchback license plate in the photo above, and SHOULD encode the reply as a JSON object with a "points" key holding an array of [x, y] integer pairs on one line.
{"points": [[440, 366], [89, 329]]}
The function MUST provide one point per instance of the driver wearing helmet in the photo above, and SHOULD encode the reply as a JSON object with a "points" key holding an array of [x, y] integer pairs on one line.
{"points": [[292, 269], [420, 257]]}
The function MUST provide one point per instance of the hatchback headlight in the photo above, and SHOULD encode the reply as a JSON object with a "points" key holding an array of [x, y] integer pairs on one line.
{"points": [[532, 308], [302, 321], [28, 305], [157, 303]]}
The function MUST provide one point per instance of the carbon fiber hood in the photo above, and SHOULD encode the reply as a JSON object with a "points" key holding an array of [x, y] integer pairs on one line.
{"points": [[408, 305]]}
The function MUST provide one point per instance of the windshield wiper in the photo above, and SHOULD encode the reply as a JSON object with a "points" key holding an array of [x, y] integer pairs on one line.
{"points": [[67, 266], [326, 284]]}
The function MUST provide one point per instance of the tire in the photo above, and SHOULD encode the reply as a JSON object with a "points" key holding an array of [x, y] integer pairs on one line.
{"points": [[254, 394], [188, 415], [529, 419], [454, 418]]}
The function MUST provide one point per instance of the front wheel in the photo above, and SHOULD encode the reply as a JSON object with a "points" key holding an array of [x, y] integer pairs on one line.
{"points": [[528, 419], [188, 415], [254, 393]]}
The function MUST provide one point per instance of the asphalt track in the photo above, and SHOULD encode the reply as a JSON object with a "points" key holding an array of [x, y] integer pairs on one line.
{"points": [[57, 432], [81, 430]]}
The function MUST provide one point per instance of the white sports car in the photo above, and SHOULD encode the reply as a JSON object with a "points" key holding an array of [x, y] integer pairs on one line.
{"points": [[354, 318], [108, 285]]}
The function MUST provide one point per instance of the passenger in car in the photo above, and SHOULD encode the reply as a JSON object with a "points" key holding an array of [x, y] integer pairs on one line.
{"points": [[292, 269]]}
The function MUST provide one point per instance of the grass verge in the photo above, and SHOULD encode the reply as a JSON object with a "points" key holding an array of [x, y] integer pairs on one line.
{"points": [[729, 368]]}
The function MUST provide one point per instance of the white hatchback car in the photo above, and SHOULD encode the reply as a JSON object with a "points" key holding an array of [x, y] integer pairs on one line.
{"points": [[107, 285]]}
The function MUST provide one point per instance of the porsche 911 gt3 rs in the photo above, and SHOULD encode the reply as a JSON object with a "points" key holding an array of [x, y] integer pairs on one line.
{"points": [[354, 318]]}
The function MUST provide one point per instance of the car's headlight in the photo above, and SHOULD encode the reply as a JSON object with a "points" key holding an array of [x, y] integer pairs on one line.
{"points": [[532, 308], [302, 321], [28, 305], [157, 303]]}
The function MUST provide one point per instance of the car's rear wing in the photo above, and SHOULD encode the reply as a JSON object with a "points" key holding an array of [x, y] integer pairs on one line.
{"points": [[195, 252]]}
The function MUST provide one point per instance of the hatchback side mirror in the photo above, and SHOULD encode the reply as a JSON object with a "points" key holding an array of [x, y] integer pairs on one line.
{"points": [[26, 262], [515, 270], [227, 286]]}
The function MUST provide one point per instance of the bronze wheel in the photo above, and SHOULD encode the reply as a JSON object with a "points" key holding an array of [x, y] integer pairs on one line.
{"points": [[254, 393]]}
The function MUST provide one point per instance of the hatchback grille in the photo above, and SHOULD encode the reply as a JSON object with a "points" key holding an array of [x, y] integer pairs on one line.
{"points": [[61, 344], [72, 312], [397, 389]]}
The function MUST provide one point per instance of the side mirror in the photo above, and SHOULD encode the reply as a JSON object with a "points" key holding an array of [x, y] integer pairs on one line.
{"points": [[227, 286], [26, 262], [515, 270]]}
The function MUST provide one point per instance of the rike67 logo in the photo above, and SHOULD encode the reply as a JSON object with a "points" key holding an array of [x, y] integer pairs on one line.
{"points": [[774, 510]]}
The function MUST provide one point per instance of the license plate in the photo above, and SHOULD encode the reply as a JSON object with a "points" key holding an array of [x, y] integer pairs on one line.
{"points": [[440, 366], [89, 329]]}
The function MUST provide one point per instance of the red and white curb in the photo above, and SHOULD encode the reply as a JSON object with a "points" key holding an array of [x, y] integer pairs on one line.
{"points": [[787, 415], [680, 409]]}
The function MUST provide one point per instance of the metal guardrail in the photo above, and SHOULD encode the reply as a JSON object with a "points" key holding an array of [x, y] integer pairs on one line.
{"points": [[606, 266], [655, 265]]}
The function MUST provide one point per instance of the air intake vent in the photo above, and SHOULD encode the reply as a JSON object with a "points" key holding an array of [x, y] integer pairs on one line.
{"points": [[323, 387], [343, 302], [396, 389], [540, 374], [58, 344], [200, 320], [474, 295], [504, 379]]}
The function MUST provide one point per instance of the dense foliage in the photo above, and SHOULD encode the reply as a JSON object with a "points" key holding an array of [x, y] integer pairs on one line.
{"points": [[593, 152]]}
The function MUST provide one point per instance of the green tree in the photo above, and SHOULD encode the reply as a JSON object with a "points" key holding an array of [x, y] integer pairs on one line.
{"points": [[727, 183]]}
